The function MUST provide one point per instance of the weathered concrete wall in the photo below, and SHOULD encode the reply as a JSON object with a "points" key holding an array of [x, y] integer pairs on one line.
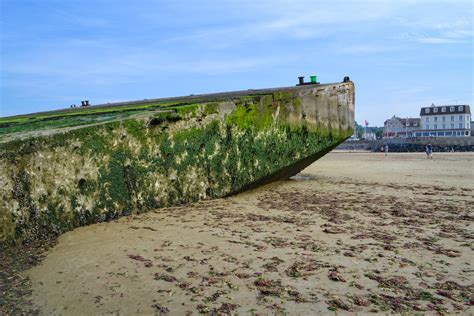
{"points": [[51, 184]]}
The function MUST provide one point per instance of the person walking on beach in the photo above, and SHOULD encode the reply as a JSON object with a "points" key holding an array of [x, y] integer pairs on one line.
{"points": [[429, 151], [386, 149]]}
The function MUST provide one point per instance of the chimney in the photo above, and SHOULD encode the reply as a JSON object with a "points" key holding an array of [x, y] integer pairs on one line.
{"points": [[301, 80]]}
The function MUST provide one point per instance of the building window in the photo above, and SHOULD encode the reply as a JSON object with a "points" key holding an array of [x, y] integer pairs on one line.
{"points": [[452, 125], [436, 126], [452, 118], [427, 126], [440, 133], [427, 119], [460, 108], [435, 110], [436, 119], [443, 109], [444, 126], [460, 117], [449, 133], [427, 110], [460, 125], [444, 118], [467, 125], [451, 109]]}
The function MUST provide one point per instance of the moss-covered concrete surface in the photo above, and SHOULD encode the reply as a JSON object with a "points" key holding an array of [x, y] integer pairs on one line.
{"points": [[60, 176]]}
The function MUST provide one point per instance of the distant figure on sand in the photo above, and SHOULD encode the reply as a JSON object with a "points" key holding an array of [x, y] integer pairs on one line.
{"points": [[429, 151], [386, 150]]}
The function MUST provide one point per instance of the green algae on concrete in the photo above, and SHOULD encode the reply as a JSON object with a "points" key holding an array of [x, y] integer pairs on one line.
{"points": [[52, 182]]}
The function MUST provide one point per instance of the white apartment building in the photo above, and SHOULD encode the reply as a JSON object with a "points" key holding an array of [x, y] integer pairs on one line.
{"points": [[445, 121]]}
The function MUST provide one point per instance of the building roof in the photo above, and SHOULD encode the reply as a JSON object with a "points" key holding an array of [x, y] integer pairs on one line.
{"points": [[415, 122], [411, 121], [449, 109]]}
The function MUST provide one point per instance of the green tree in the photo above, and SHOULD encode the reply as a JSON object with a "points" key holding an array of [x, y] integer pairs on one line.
{"points": [[379, 132], [359, 130]]}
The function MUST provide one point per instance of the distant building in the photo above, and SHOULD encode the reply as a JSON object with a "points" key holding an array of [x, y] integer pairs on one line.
{"points": [[369, 133], [445, 121], [400, 127]]}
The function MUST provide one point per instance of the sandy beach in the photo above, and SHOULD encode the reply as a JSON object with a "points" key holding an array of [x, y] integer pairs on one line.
{"points": [[355, 232]]}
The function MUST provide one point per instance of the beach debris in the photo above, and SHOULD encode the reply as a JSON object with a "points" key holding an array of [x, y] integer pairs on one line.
{"points": [[277, 242], [269, 287], [272, 266], [227, 308], [330, 229], [277, 308], [303, 268], [456, 291], [224, 309], [143, 227], [452, 253], [192, 274], [165, 277], [242, 275], [203, 309], [335, 275], [162, 310], [337, 303], [147, 262], [393, 282], [361, 300], [184, 285], [296, 296]]}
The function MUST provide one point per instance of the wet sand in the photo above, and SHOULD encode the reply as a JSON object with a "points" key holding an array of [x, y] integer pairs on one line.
{"points": [[356, 232]]}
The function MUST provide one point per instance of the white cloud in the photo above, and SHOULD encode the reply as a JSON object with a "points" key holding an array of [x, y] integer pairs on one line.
{"points": [[301, 20], [440, 40], [429, 30]]}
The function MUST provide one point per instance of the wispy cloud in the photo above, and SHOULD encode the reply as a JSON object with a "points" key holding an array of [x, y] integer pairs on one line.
{"points": [[431, 31], [301, 20], [440, 40]]}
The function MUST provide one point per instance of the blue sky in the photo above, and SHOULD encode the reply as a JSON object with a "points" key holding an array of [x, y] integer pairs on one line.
{"points": [[401, 54]]}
